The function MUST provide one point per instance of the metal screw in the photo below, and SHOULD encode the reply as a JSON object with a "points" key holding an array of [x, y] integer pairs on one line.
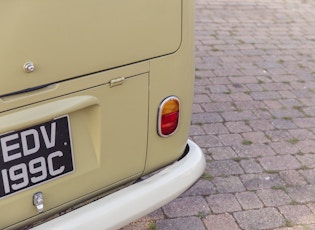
{"points": [[29, 67]]}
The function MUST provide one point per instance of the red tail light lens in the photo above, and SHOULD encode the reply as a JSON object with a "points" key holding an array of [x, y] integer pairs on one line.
{"points": [[168, 117]]}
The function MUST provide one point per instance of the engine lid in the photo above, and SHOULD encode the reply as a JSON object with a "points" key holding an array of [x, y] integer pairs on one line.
{"points": [[50, 41]]}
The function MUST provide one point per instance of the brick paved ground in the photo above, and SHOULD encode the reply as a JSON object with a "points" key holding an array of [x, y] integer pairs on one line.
{"points": [[253, 116]]}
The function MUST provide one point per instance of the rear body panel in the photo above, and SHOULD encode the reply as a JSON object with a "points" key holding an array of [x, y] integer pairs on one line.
{"points": [[106, 66], [101, 138]]}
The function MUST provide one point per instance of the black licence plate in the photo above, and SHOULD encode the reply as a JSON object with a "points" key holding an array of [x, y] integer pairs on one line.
{"points": [[35, 155]]}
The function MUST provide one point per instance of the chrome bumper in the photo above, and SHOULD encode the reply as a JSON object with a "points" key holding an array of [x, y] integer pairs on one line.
{"points": [[124, 206]]}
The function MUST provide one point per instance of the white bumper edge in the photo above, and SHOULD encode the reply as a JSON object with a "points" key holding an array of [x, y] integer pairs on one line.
{"points": [[131, 203]]}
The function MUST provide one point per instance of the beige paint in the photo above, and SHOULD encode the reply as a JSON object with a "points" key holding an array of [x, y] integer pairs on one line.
{"points": [[69, 38], [149, 43]]}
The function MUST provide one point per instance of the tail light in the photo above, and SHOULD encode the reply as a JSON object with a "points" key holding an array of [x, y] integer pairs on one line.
{"points": [[168, 116]]}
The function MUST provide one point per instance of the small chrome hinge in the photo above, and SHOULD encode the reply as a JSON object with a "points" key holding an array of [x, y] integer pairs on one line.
{"points": [[116, 81]]}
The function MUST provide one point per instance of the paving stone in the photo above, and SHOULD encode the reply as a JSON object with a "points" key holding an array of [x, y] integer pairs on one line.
{"points": [[144, 222], [139, 225], [283, 88], [302, 134], [207, 141], [293, 102], [283, 162], [262, 96], [261, 125], [283, 124], [218, 106], [306, 146], [309, 175], [302, 194], [287, 77], [310, 111], [292, 178], [309, 226], [155, 215], [238, 116], [249, 200], [186, 206], [251, 166], [237, 88], [278, 135], [273, 197], [302, 93], [289, 98], [199, 98], [305, 122], [201, 89], [201, 118], [286, 113], [297, 214], [241, 97], [218, 89], [224, 168], [269, 65], [294, 228], [196, 130], [256, 137], [219, 80], [196, 108], [215, 128], [187, 223], [284, 148], [201, 188], [262, 114], [231, 139], [273, 104], [254, 87], [249, 105], [221, 221], [309, 101], [230, 184], [222, 203], [238, 127], [266, 218], [227, 72], [243, 80], [220, 97], [253, 150], [311, 206], [261, 181], [202, 82], [222, 153], [307, 160]]}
